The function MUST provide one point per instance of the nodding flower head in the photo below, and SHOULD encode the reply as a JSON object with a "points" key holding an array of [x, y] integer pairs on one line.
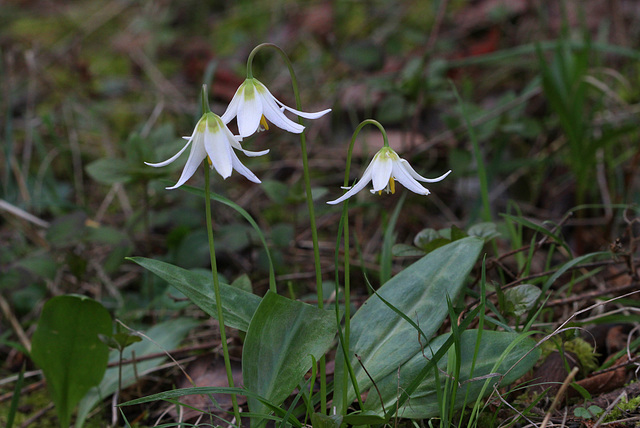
{"points": [[211, 139], [384, 170], [254, 105]]}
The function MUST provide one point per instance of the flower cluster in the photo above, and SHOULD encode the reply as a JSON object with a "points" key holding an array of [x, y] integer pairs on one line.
{"points": [[212, 139], [254, 107]]}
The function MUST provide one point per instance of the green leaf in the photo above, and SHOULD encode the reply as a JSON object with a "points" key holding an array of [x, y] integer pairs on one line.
{"points": [[109, 171], [457, 233], [67, 230], [364, 418], [404, 250], [521, 298], [502, 357], [243, 282], [41, 264], [208, 390], [250, 220], [538, 228], [318, 420], [381, 337], [120, 340], [238, 306], [283, 338], [425, 236], [67, 349], [277, 191], [486, 231], [164, 336]]}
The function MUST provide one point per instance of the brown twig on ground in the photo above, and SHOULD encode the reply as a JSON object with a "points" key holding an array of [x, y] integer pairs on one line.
{"points": [[559, 396]]}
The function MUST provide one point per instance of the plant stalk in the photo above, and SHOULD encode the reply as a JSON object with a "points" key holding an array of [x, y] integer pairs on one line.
{"points": [[310, 208], [216, 291]]}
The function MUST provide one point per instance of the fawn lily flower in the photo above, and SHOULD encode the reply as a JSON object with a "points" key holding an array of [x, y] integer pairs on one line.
{"points": [[385, 168], [253, 105], [212, 139]]}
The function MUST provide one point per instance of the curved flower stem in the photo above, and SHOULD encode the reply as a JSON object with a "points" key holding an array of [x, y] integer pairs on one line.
{"points": [[216, 291], [347, 280], [312, 217], [272, 274]]}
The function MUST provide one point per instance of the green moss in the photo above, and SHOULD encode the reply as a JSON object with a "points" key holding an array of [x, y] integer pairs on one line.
{"points": [[579, 347], [623, 408]]}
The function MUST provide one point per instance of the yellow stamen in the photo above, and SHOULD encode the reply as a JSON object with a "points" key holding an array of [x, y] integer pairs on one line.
{"points": [[209, 160], [392, 185], [263, 122]]}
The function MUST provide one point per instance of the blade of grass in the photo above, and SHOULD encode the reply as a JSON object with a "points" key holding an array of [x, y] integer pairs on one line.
{"points": [[388, 241], [482, 172]]}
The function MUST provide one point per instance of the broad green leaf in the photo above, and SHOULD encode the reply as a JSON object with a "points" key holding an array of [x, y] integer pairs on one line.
{"points": [[486, 231], [521, 298], [404, 250], [435, 244], [165, 336], [67, 348], [238, 306], [282, 340], [388, 239], [41, 264], [110, 171], [385, 341], [457, 233], [67, 230], [502, 357], [243, 282], [425, 236], [277, 191]]}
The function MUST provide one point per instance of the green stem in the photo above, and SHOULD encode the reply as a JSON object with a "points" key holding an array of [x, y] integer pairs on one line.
{"points": [[205, 100], [347, 281], [216, 291], [312, 217]]}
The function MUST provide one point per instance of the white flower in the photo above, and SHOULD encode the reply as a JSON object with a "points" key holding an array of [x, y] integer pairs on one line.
{"points": [[384, 169], [253, 102], [212, 139]]}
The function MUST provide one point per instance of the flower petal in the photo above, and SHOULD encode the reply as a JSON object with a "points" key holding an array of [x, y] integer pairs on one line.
{"points": [[249, 111], [276, 116], [252, 154], [174, 157], [381, 172], [238, 166], [219, 150], [304, 114], [234, 141], [196, 156], [366, 178], [414, 174], [355, 189], [232, 108], [401, 174]]}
